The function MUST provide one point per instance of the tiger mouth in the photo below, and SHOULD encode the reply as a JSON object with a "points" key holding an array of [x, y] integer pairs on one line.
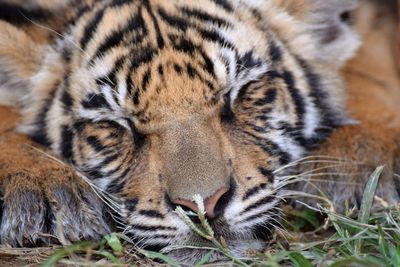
{"points": [[189, 246]]}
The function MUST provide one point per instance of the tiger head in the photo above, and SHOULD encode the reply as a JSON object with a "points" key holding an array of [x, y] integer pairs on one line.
{"points": [[157, 101]]}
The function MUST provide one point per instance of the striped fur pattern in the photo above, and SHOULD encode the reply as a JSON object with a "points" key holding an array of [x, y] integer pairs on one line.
{"points": [[134, 92]]}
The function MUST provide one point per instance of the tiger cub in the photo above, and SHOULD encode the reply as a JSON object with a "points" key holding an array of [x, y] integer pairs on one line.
{"points": [[151, 102]]}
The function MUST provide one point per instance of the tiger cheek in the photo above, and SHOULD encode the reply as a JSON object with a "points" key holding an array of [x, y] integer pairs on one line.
{"points": [[144, 183], [250, 165]]}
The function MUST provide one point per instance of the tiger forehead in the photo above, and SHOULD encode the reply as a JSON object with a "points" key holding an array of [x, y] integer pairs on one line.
{"points": [[175, 85], [172, 59]]}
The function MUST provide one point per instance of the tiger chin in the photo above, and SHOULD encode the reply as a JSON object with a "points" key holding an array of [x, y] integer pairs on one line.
{"points": [[152, 102]]}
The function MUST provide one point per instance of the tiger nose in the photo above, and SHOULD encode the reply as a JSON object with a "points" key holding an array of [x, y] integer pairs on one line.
{"points": [[210, 204]]}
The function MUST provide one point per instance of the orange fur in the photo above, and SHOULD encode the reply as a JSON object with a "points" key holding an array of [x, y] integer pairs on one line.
{"points": [[187, 146]]}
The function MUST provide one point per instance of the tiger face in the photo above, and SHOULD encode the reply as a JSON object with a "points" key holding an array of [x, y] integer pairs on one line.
{"points": [[157, 101]]}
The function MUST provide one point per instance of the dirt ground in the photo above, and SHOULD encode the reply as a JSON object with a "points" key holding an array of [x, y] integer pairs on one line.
{"points": [[373, 79]]}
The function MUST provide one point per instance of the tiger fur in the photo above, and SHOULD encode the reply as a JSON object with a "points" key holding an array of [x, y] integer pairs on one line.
{"points": [[154, 101]]}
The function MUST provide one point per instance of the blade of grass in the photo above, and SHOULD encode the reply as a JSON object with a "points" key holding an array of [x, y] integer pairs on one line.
{"points": [[61, 253], [155, 255], [299, 260], [366, 204], [114, 243], [205, 259], [368, 196]]}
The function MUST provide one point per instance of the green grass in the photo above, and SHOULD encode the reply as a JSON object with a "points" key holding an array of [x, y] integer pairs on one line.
{"points": [[313, 237]]}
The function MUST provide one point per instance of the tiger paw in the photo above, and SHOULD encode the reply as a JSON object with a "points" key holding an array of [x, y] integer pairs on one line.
{"points": [[354, 153], [43, 210]]}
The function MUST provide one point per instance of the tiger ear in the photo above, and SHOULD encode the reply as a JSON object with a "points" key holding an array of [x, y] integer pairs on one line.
{"points": [[20, 60], [331, 38]]}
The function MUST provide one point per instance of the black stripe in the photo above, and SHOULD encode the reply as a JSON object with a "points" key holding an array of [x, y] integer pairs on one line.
{"points": [[40, 134], [142, 56], [151, 213], [174, 21], [270, 148], [131, 203], [111, 78], [160, 40], [254, 190], [118, 3], [120, 166], [66, 98], [273, 74], [274, 150], [269, 97], [91, 28], [139, 238], [320, 99], [66, 142], [182, 24], [95, 143], [296, 96], [67, 101], [116, 187], [151, 247], [267, 173], [146, 79], [208, 64], [247, 61], [66, 54], [275, 52], [114, 173], [93, 174], [138, 138], [110, 159], [227, 114], [19, 15], [191, 71], [243, 91], [116, 37], [95, 101], [224, 4], [125, 172], [129, 82], [160, 71], [136, 97], [253, 217], [258, 203], [178, 69], [205, 17], [182, 44], [213, 36], [151, 228], [109, 124], [81, 10]]}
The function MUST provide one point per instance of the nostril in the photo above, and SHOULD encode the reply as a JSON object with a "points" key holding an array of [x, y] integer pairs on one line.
{"points": [[225, 198], [222, 202], [214, 205], [185, 204], [211, 202]]}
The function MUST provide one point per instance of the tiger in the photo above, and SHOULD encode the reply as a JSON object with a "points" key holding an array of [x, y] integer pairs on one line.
{"points": [[144, 104]]}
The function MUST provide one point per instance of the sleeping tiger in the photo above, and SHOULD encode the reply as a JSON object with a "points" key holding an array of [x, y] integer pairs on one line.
{"points": [[151, 102]]}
